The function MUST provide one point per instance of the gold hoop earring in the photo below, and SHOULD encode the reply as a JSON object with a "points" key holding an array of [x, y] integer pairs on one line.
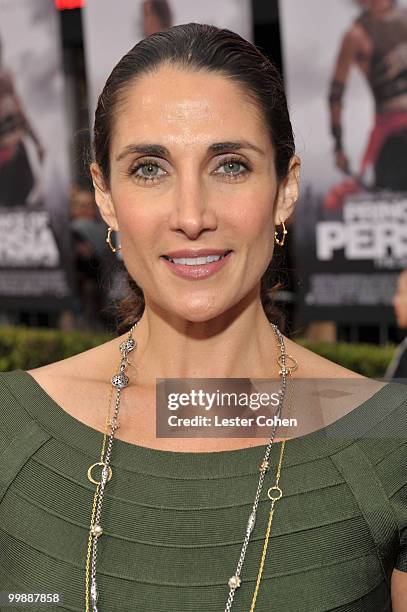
{"points": [[277, 239], [109, 242]]}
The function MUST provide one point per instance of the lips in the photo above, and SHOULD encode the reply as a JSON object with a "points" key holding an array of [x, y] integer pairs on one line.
{"points": [[189, 253], [194, 270]]}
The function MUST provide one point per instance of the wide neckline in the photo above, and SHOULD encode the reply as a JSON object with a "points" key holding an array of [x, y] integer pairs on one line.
{"points": [[319, 443]]}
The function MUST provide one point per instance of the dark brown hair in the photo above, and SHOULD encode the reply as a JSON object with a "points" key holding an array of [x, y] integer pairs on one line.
{"points": [[195, 46]]}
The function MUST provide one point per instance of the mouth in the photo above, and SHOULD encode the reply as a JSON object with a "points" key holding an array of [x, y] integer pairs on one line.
{"points": [[196, 261], [199, 267]]}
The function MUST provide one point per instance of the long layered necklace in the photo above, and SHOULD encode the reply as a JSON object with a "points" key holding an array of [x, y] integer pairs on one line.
{"points": [[119, 381]]}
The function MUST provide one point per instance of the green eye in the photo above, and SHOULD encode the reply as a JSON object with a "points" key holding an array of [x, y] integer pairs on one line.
{"points": [[232, 167], [150, 175]]}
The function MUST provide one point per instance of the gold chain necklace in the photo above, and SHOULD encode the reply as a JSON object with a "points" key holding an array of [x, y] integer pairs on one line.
{"points": [[275, 494]]}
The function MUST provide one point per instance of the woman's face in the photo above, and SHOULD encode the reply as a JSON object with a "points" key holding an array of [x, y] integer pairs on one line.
{"points": [[190, 192]]}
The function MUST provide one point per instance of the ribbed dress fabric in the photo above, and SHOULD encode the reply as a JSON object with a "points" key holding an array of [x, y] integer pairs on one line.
{"points": [[174, 522]]}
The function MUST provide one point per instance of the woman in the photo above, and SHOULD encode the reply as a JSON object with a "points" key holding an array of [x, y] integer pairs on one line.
{"points": [[194, 151]]}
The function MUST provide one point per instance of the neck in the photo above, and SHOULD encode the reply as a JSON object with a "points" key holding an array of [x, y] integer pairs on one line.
{"points": [[240, 346]]}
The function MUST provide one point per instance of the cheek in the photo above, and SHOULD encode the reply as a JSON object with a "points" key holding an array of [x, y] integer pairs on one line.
{"points": [[255, 226], [139, 240], [253, 210], [136, 219], [140, 234]]}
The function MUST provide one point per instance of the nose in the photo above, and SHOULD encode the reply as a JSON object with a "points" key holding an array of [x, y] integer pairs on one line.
{"points": [[193, 210]]}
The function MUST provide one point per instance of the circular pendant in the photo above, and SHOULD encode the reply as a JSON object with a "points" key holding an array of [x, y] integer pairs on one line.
{"points": [[274, 493], [90, 472], [285, 366]]}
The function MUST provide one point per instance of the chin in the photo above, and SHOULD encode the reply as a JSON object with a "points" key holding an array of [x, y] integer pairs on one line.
{"points": [[200, 317], [200, 313]]}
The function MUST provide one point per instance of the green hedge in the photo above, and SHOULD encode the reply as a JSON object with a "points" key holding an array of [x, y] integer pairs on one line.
{"points": [[367, 359], [25, 348], [28, 347]]}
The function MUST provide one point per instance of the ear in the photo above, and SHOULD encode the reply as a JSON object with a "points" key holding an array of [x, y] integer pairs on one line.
{"points": [[288, 192], [103, 197]]}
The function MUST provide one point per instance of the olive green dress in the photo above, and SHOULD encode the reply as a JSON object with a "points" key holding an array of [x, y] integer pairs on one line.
{"points": [[174, 522]]}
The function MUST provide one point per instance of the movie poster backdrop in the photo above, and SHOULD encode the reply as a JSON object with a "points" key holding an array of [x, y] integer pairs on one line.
{"points": [[135, 19], [346, 80], [34, 164]]}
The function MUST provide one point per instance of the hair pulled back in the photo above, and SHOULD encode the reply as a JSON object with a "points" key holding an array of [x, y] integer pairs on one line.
{"points": [[195, 46]]}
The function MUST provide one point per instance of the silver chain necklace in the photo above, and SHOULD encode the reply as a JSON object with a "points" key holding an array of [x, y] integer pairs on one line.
{"points": [[120, 381]]}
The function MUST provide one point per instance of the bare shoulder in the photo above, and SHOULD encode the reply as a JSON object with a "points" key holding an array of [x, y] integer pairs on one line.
{"points": [[355, 39], [327, 390], [91, 364], [356, 35], [312, 365], [71, 382]]}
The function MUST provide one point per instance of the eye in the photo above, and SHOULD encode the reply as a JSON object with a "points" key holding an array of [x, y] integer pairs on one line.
{"points": [[148, 171], [231, 164]]}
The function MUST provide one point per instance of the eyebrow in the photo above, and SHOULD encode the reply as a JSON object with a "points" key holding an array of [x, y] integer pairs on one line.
{"points": [[161, 151]]}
